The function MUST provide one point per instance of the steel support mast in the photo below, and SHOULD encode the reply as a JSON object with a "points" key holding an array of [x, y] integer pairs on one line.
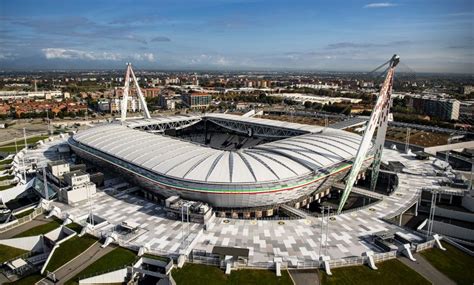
{"points": [[380, 138], [126, 90], [382, 104]]}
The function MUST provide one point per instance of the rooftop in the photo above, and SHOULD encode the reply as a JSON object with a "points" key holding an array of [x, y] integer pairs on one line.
{"points": [[284, 159]]}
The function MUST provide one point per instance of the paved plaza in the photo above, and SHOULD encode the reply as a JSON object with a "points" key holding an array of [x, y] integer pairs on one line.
{"points": [[294, 240]]}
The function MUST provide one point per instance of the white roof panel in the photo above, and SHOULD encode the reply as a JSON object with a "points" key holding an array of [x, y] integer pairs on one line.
{"points": [[282, 159]]}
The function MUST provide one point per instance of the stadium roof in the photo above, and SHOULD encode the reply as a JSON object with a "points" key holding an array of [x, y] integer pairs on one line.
{"points": [[266, 122], [279, 160]]}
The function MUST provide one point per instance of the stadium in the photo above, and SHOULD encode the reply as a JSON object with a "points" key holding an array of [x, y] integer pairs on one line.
{"points": [[233, 163]]}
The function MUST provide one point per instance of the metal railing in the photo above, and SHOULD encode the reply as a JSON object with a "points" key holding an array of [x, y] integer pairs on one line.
{"points": [[351, 261], [380, 257], [425, 245], [308, 264], [22, 220]]}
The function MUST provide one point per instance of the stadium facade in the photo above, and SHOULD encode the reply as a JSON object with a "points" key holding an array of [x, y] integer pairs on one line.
{"points": [[247, 163]]}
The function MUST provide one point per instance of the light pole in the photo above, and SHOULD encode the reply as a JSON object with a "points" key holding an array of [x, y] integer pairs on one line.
{"points": [[434, 194], [322, 230], [24, 138], [447, 151], [327, 231], [407, 141]]}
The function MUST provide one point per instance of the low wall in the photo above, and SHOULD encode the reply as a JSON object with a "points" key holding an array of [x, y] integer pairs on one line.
{"points": [[433, 150], [21, 221], [452, 230], [448, 213]]}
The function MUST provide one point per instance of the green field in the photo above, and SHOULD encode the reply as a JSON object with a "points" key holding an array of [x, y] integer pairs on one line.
{"points": [[194, 274], [7, 177], [75, 227], [6, 161], [24, 214], [10, 147], [115, 259], [454, 263], [28, 280], [162, 258], [5, 187], [68, 250], [391, 272], [41, 229], [8, 252]]}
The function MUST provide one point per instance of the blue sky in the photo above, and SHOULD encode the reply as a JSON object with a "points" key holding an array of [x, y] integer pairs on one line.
{"points": [[429, 35]]}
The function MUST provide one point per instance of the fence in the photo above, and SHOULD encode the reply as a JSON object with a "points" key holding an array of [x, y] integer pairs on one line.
{"points": [[203, 257], [384, 256], [21, 221], [351, 261], [308, 264], [425, 245]]}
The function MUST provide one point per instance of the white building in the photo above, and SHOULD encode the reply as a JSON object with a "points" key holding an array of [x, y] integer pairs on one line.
{"points": [[318, 86], [80, 187], [58, 168], [14, 95], [299, 97]]}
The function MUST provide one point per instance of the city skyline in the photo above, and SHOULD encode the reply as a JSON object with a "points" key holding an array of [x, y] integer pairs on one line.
{"points": [[430, 36]]}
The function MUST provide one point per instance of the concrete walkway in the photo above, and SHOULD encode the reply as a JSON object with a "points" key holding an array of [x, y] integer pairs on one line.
{"points": [[423, 267], [40, 220], [76, 265], [305, 277]]}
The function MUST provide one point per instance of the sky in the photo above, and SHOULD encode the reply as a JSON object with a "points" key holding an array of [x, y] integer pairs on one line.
{"points": [[321, 35]]}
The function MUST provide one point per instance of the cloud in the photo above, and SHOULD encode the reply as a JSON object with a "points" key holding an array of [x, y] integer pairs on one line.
{"points": [[7, 55], [73, 54], [144, 57], [346, 45], [208, 60], [380, 5], [161, 39], [78, 27]]}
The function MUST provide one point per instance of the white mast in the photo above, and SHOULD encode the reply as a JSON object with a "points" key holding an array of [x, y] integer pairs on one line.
{"points": [[382, 104], [126, 89], [124, 103]]}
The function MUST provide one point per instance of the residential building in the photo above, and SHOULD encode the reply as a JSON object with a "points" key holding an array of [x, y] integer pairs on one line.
{"points": [[196, 100], [442, 108]]}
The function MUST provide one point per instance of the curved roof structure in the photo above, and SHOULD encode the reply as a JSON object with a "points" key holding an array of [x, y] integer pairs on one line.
{"points": [[275, 161]]}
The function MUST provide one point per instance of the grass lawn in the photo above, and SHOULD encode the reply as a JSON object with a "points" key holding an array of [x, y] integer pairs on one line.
{"points": [[162, 258], [28, 280], [68, 250], [6, 161], [389, 272], [75, 227], [210, 275], [118, 257], [8, 252], [5, 187], [25, 213], [454, 263], [10, 147], [41, 229], [7, 177]]}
